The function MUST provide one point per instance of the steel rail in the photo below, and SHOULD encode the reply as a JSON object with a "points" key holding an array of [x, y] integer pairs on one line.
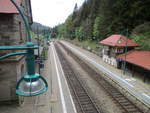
{"points": [[85, 102], [125, 105]]}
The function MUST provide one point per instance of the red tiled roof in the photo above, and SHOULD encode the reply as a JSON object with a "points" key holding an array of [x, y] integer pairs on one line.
{"points": [[7, 7], [139, 58], [118, 40]]}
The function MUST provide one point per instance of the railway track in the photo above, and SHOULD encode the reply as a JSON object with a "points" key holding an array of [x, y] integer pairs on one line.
{"points": [[125, 105], [84, 100]]}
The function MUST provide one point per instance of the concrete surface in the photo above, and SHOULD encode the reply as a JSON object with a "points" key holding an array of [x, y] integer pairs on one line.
{"points": [[56, 100], [139, 89]]}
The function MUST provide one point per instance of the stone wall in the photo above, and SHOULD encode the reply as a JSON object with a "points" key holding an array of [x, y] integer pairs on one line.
{"points": [[12, 32], [10, 72]]}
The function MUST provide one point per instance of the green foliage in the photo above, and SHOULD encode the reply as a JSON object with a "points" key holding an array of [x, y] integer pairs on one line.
{"points": [[98, 19], [69, 28], [79, 33], [143, 39], [141, 35], [97, 28], [33, 35], [38, 28]]}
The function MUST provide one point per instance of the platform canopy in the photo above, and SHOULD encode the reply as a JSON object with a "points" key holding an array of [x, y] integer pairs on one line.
{"points": [[139, 58], [117, 40]]}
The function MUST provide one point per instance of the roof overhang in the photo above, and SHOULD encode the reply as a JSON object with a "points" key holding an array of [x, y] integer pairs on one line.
{"points": [[7, 7], [138, 58]]}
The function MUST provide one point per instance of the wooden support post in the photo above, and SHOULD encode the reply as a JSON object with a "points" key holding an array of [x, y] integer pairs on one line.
{"points": [[144, 77], [132, 70]]}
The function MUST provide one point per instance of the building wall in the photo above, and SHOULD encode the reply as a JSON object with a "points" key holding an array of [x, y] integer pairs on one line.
{"points": [[10, 72], [110, 60], [12, 32], [108, 55]]}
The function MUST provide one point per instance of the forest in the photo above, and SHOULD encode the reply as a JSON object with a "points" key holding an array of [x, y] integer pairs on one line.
{"points": [[39, 28], [97, 19]]}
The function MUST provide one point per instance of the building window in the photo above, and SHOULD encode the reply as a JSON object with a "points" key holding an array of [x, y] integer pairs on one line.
{"points": [[20, 32]]}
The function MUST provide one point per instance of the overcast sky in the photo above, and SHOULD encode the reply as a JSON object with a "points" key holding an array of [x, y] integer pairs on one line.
{"points": [[53, 12]]}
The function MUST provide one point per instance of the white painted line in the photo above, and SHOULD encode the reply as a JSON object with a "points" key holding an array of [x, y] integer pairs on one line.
{"points": [[74, 108], [109, 72], [146, 95], [127, 79], [123, 82], [130, 79], [59, 83], [100, 66]]}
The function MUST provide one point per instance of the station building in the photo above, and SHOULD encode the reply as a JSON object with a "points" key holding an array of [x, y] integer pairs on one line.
{"points": [[12, 32], [137, 62], [114, 46]]}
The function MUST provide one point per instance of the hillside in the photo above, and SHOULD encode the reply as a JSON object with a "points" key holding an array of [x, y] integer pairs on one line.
{"points": [[39, 27], [98, 19]]}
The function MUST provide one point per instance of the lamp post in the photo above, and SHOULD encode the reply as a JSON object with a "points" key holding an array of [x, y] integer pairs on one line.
{"points": [[32, 83], [126, 48], [38, 41]]}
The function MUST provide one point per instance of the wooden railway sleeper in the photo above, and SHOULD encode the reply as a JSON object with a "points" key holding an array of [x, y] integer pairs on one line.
{"points": [[91, 71]]}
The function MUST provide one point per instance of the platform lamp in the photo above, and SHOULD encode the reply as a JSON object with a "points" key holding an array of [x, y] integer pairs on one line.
{"points": [[31, 84]]}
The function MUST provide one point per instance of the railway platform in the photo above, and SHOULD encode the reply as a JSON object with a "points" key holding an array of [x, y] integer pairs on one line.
{"points": [[134, 86], [35, 104], [56, 100]]}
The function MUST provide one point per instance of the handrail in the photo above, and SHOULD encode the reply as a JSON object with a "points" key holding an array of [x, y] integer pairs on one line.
{"points": [[12, 54], [20, 47]]}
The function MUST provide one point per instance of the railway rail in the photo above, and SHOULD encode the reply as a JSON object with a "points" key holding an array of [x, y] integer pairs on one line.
{"points": [[125, 105], [85, 102]]}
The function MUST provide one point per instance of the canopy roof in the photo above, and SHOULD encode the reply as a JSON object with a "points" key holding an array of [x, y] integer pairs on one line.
{"points": [[139, 58]]}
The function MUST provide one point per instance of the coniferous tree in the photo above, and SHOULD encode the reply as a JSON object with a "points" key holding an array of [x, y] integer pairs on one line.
{"points": [[97, 19]]}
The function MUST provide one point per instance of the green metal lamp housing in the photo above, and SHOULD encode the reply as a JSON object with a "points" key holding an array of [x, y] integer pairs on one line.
{"points": [[31, 85]]}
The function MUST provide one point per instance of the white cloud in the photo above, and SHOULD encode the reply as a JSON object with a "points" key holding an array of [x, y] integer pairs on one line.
{"points": [[52, 12]]}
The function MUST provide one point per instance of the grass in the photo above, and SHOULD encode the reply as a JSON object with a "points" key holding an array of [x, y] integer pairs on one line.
{"points": [[93, 46]]}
